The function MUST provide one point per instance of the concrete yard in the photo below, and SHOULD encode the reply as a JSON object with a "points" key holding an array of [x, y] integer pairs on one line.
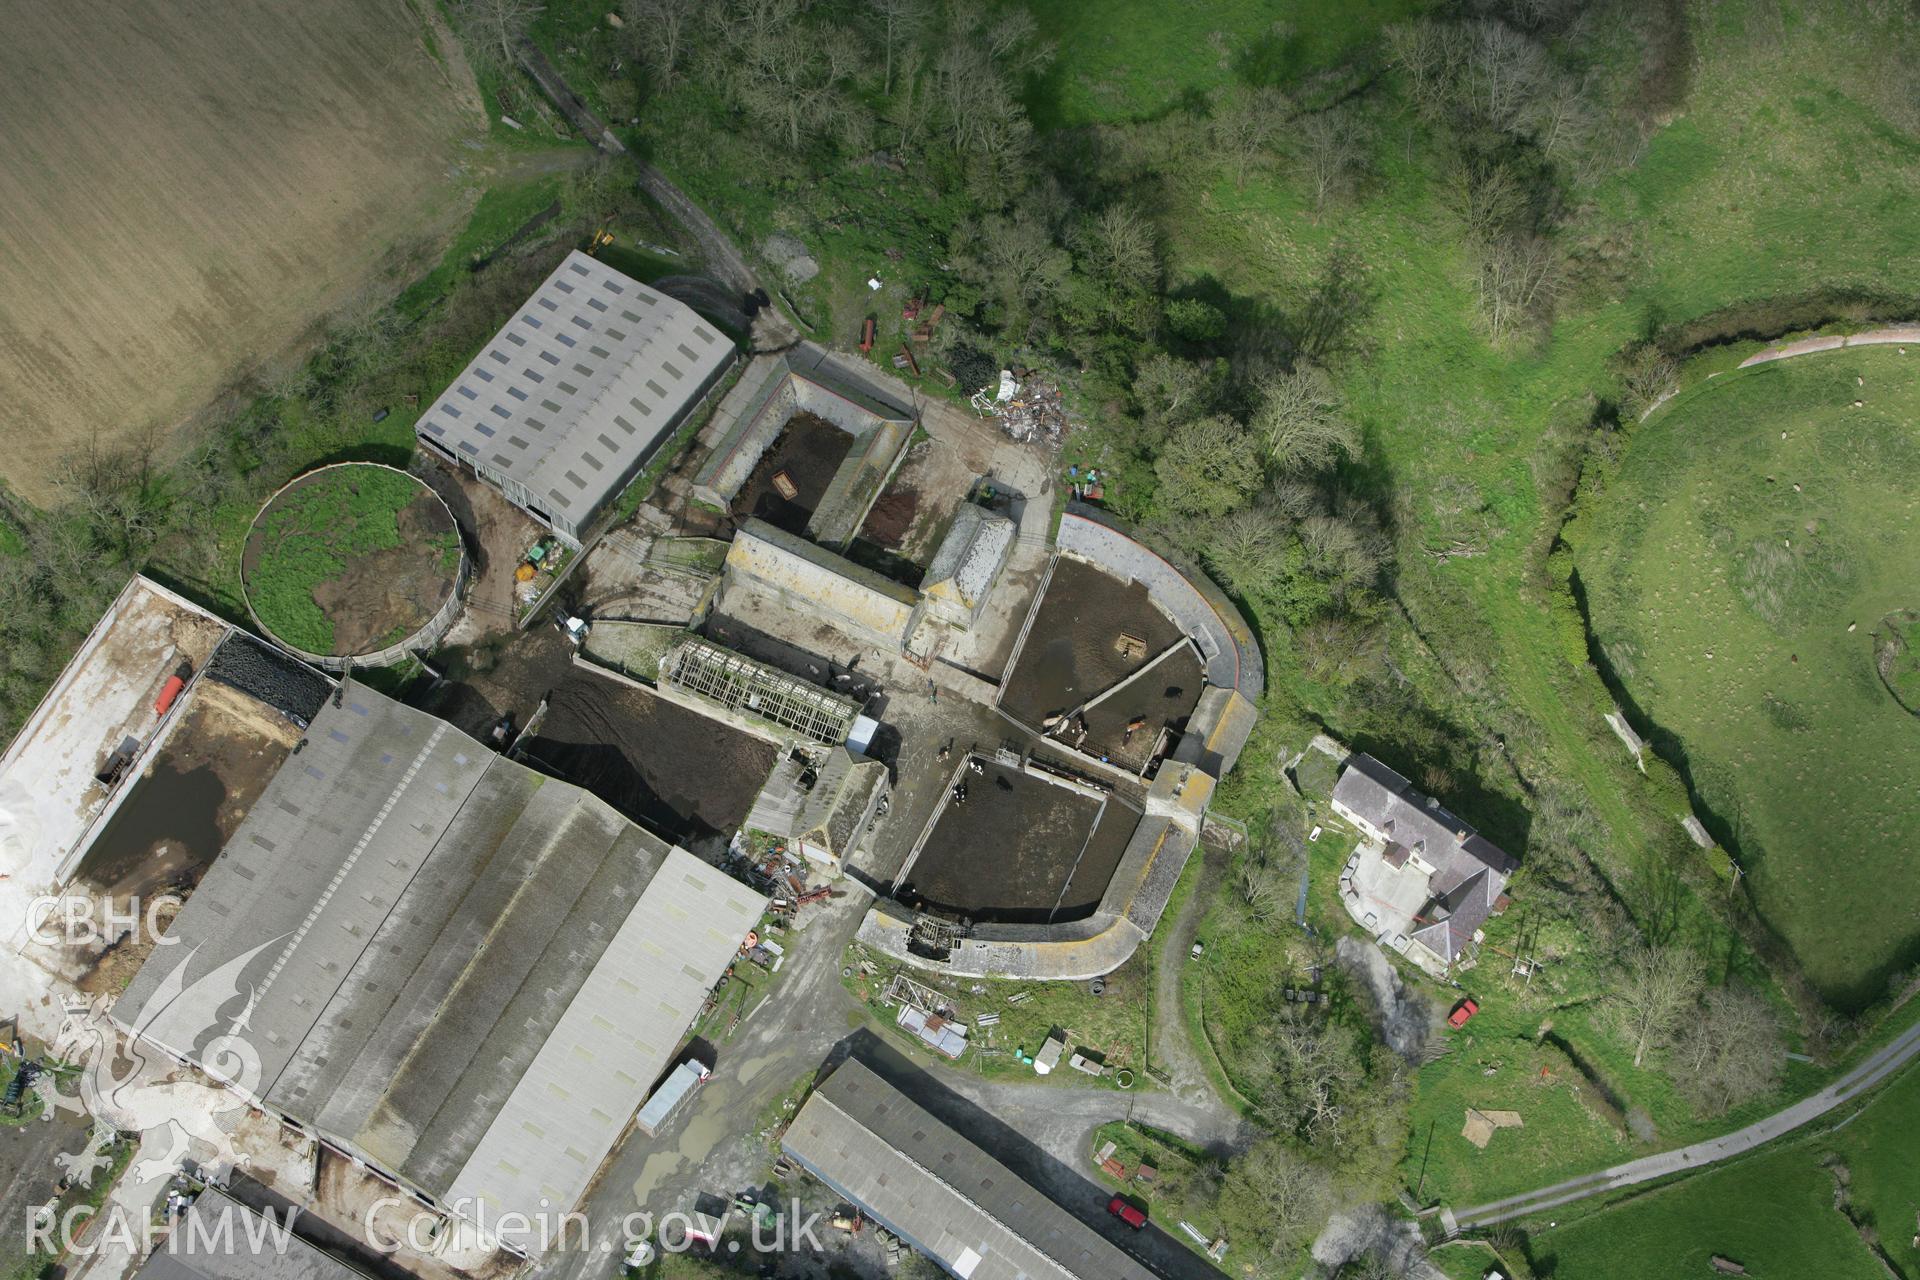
{"points": [[940, 469], [1019, 849], [49, 795], [29, 1176]]}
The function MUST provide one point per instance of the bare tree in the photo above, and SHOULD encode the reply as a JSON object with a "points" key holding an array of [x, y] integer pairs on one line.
{"points": [[1563, 118], [1264, 898], [901, 22], [496, 26], [1331, 150], [976, 111], [1519, 278], [1123, 252], [1251, 550], [789, 77], [1244, 127], [1286, 1197], [1654, 987], [1012, 38], [1484, 194], [1300, 420], [1420, 49], [1343, 551], [1729, 1051], [913, 108], [1648, 375], [117, 490], [1503, 75], [660, 32]]}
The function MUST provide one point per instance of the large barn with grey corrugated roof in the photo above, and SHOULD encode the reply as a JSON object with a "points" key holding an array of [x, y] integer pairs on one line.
{"points": [[465, 973], [577, 393], [936, 1190]]}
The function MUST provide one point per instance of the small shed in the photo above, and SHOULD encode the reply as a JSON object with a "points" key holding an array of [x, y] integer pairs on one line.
{"points": [[1049, 1056]]}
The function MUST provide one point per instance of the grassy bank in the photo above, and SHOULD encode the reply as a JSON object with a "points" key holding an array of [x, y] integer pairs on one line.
{"points": [[1738, 570]]}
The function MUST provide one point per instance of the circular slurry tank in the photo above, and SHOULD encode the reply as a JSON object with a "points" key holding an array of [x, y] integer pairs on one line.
{"points": [[354, 563]]}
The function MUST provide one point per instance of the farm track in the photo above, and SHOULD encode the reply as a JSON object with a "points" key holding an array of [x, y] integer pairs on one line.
{"points": [[1870, 1073]]}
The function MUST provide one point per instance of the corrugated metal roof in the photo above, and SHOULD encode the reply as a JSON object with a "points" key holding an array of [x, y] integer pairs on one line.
{"points": [[583, 383], [935, 1031], [602, 1057], [926, 1183], [445, 952], [218, 1238]]}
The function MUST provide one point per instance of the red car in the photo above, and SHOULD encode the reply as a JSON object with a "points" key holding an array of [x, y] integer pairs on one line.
{"points": [[1130, 1214], [1462, 1011]]}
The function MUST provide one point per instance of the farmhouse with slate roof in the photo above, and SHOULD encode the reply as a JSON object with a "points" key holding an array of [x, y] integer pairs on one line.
{"points": [[1425, 881]]}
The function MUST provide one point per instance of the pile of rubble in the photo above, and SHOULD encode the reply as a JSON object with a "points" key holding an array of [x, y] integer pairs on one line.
{"points": [[1028, 408]]}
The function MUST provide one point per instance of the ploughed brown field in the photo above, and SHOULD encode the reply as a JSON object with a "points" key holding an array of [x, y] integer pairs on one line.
{"points": [[186, 188]]}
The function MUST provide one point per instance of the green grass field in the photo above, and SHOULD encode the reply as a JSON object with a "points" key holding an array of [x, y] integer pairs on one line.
{"points": [[1773, 1212], [311, 534], [1134, 59], [1739, 567]]}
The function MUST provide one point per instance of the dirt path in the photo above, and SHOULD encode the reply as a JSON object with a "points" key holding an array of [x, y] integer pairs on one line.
{"points": [[725, 262], [1173, 1049]]}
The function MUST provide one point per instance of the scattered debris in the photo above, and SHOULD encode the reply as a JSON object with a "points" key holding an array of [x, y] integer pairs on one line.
{"points": [[1028, 408]]}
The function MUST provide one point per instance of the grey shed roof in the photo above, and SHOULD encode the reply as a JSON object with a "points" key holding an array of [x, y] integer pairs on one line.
{"points": [[579, 387], [219, 1238], [972, 552], [1470, 871], [945, 1196], [463, 970]]}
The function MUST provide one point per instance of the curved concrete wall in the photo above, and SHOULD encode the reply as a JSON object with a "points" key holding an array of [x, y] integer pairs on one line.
{"points": [[1157, 852], [429, 633]]}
